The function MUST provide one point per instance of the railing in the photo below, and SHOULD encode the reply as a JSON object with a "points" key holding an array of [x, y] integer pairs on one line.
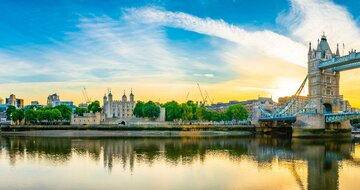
{"points": [[331, 118], [338, 61]]}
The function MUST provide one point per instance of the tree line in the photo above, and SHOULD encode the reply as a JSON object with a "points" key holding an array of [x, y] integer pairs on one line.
{"points": [[149, 110], [48, 114], [190, 111]]}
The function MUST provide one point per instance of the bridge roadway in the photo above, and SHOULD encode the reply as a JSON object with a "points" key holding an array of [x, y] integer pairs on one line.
{"points": [[343, 63], [329, 118]]}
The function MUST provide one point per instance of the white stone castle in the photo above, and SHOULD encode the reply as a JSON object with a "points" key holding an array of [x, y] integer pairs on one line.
{"points": [[118, 108]]}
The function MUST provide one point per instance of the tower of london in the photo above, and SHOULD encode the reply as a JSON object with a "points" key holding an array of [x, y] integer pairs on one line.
{"points": [[118, 108]]}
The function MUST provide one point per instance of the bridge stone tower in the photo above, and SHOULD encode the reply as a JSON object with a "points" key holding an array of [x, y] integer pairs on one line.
{"points": [[323, 83]]}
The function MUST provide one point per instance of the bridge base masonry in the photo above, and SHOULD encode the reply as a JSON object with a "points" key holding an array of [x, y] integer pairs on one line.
{"points": [[315, 125]]}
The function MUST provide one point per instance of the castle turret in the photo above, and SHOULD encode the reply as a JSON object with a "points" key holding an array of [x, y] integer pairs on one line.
{"points": [[104, 103], [131, 97], [124, 98], [110, 102]]}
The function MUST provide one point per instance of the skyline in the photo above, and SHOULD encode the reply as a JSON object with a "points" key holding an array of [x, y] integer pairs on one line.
{"points": [[234, 49]]}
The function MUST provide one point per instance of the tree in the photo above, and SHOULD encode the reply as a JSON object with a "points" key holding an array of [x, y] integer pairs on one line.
{"points": [[94, 107], [80, 111], [17, 116], [200, 112], [55, 115], [151, 110], [187, 112], [30, 115], [9, 111], [193, 106], [65, 111], [237, 112], [139, 109], [173, 110]]}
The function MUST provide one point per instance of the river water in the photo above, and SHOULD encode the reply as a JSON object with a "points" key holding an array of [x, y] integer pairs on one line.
{"points": [[179, 163]]}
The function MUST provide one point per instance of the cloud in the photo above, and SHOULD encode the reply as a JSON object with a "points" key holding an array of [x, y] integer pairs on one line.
{"points": [[104, 49], [308, 19], [266, 41]]}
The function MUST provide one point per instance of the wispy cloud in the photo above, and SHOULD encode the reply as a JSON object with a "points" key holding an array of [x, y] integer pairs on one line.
{"points": [[307, 19], [266, 41]]}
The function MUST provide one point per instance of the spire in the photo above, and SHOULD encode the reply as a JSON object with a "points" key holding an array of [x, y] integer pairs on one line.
{"points": [[309, 47], [323, 37], [131, 94], [337, 50]]}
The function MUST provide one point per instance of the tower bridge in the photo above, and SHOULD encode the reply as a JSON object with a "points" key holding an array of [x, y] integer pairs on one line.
{"points": [[324, 108]]}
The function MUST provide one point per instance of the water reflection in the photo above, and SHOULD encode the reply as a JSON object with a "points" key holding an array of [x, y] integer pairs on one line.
{"points": [[322, 158]]}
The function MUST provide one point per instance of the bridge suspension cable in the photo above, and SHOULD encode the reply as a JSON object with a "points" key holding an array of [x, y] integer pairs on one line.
{"points": [[288, 105]]}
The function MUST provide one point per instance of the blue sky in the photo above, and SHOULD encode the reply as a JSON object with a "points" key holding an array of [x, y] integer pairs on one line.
{"points": [[240, 47]]}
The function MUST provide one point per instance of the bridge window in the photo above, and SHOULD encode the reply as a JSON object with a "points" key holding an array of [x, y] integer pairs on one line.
{"points": [[328, 92], [328, 79]]}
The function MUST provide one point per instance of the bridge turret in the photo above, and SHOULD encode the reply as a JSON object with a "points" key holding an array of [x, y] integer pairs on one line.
{"points": [[323, 83]]}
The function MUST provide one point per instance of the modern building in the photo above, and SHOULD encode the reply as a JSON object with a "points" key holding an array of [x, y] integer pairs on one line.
{"points": [[118, 108], [12, 100], [58, 102], [3, 108], [51, 98], [88, 119], [35, 103], [83, 105]]}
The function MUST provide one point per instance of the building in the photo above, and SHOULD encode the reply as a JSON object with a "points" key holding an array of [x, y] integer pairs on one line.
{"points": [[248, 104], [83, 105], [35, 103], [3, 108], [58, 102], [13, 101], [1, 101], [118, 108], [51, 98], [298, 105], [162, 115], [87, 119]]}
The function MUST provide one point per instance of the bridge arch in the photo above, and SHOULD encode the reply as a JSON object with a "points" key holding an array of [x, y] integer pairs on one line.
{"points": [[327, 108]]}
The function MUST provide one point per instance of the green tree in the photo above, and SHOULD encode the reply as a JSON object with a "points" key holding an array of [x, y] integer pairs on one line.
{"points": [[200, 112], [187, 112], [54, 115], [9, 111], [193, 106], [30, 116], [173, 110], [17, 116], [236, 112], [65, 111], [80, 111], [94, 107], [139, 109], [151, 110]]}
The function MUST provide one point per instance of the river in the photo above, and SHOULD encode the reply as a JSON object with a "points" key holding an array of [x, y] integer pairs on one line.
{"points": [[178, 163]]}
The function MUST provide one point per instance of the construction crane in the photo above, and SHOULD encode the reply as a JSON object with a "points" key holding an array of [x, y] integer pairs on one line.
{"points": [[207, 95], [87, 100], [202, 96], [187, 96]]}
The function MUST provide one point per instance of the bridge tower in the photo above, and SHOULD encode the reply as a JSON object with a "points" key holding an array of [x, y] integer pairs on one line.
{"points": [[323, 83]]}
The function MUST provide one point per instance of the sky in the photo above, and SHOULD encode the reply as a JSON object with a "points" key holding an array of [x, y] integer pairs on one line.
{"points": [[235, 49]]}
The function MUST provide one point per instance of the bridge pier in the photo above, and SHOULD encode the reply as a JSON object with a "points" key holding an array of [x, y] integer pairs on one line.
{"points": [[313, 121], [314, 125]]}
